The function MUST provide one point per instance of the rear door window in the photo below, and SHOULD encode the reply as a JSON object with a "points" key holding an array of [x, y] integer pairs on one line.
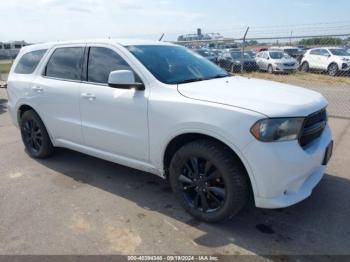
{"points": [[29, 61], [315, 52], [65, 63], [323, 52]]}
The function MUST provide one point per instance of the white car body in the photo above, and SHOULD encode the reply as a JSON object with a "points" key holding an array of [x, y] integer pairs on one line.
{"points": [[322, 58], [134, 128], [285, 64]]}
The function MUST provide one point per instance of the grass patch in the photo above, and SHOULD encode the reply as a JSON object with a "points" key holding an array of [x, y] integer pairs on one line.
{"points": [[5, 68], [304, 79]]}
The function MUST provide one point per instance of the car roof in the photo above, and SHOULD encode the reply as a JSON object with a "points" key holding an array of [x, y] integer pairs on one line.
{"points": [[327, 47], [121, 42]]}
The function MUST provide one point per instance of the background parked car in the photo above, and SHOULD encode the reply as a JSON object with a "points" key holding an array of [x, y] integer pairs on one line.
{"points": [[208, 54], [294, 52], [276, 61], [232, 61], [260, 49], [329, 59], [252, 54], [217, 53]]}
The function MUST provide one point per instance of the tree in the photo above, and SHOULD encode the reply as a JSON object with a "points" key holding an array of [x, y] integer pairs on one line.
{"points": [[321, 41]]}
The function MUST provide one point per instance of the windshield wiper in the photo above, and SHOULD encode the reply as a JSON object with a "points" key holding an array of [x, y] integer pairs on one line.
{"points": [[200, 79], [190, 80], [218, 76]]}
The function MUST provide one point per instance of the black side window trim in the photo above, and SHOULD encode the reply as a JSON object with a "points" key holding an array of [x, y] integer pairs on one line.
{"points": [[85, 66], [65, 79]]}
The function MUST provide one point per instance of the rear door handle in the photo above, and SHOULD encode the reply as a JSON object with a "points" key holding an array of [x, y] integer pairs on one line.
{"points": [[37, 89], [88, 96]]}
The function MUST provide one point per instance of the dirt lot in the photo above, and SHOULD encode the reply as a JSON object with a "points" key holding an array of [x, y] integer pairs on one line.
{"points": [[309, 80], [5, 66], [335, 89], [76, 204]]}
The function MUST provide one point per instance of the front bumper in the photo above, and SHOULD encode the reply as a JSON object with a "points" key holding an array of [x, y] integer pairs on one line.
{"points": [[285, 69], [284, 172], [345, 66]]}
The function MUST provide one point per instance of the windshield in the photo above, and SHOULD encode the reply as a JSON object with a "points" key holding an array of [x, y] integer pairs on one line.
{"points": [[251, 54], [277, 55], [176, 64], [238, 55], [292, 51], [339, 52]]}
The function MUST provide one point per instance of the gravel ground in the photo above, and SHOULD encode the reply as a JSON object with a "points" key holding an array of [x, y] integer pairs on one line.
{"points": [[77, 204]]}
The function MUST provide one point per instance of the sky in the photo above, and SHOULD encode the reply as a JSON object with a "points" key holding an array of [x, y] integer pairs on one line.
{"points": [[52, 20]]}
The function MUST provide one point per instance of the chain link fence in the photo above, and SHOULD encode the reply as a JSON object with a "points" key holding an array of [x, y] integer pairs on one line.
{"points": [[299, 55], [320, 62]]}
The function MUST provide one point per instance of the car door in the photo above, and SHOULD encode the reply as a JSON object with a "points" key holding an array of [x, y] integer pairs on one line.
{"points": [[57, 92], [113, 120], [313, 59], [324, 59]]}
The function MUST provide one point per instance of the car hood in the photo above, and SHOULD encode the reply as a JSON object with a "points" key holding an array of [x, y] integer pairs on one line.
{"points": [[245, 60], [266, 97], [285, 60]]}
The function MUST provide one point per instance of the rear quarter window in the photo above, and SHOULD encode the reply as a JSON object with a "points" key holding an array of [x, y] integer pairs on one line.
{"points": [[29, 61]]}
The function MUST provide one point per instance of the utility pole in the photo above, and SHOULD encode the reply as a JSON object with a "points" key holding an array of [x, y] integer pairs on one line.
{"points": [[243, 46], [290, 39]]}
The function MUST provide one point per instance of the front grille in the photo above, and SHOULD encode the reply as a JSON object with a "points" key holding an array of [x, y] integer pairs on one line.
{"points": [[289, 64], [313, 127]]}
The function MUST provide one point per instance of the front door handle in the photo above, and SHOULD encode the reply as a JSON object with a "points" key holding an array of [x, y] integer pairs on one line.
{"points": [[37, 89], [88, 96]]}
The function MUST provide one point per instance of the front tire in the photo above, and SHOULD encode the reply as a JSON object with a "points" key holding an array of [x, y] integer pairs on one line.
{"points": [[34, 135], [209, 181], [270, 69], [333, 69]]}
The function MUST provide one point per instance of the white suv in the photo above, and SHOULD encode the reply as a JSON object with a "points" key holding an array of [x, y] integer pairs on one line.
{"points": [[163, 109], [276, 61], [332, 60]]}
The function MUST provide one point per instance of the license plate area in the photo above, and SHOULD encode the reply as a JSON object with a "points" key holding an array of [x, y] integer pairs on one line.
{"points": [[328, 154]]}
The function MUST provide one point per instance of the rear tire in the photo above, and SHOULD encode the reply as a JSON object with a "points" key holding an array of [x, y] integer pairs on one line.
{"points": [[209, 181], [333, 69], [305, 67], [34, 135]]}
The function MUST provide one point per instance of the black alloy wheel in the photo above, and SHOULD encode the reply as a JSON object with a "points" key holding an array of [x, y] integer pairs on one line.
{"points": [[35, 136], [209, 180], [202, 185], [32, 135]]}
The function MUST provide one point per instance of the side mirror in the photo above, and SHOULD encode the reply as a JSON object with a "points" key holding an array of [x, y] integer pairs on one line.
{"points": [[124, 79]]}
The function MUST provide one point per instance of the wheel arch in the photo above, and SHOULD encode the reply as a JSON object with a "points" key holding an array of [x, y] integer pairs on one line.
{"points": [[23, 108], [26, 107], [332, 63], [181, 139]]}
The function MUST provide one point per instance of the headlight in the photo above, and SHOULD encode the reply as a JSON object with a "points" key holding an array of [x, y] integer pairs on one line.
{"points": [[345, 59], [277, 129]]}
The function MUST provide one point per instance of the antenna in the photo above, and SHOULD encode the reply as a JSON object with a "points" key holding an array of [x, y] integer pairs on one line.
{"points": [[161, 38]]}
